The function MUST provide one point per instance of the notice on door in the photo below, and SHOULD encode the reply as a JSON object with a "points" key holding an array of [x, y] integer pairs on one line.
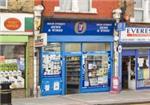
{"points": [[56, 85]]}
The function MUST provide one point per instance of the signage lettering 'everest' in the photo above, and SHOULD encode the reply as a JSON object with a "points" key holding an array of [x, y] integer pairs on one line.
{"points": [[138, 30]]}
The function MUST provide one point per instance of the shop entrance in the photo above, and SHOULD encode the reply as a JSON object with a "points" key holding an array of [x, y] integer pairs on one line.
{"points": [[73, 74], [128, 72]]}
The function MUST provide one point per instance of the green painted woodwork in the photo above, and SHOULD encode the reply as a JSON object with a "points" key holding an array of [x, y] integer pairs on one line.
{"points": [[13, 39]]}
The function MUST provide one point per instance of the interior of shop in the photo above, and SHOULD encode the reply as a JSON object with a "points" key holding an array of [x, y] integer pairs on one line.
{"points": [[73, 74], [128, 72]]}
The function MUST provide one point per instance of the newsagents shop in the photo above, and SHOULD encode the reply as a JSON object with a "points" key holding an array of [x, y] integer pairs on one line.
{"points": [[78, 56]]}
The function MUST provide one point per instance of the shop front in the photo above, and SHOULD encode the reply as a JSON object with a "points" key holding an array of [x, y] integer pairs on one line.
{"points": [[78, 56], [136, 58], [14, 46]]}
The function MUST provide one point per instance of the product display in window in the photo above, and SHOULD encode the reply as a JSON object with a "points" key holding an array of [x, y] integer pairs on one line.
{"points": [[51, 64], [96, 70], [9, 71], [12, 65], [143, 79]]}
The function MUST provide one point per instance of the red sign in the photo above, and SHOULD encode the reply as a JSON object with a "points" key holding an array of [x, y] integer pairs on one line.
{"points": [[12, 23]]}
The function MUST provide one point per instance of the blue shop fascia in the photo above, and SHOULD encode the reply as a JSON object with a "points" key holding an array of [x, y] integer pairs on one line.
{"points": [[135, 57], [78, 56]]}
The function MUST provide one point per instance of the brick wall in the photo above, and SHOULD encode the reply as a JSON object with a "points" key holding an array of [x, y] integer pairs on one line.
{"points": [[104, 8]]}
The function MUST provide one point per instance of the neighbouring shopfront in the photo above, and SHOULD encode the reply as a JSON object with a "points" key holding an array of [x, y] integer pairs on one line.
{"points": [[78, 56], [15, 30], [136, 58]]}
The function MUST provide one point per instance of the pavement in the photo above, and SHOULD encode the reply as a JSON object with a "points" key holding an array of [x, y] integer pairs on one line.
{"points": [[130, 97]]}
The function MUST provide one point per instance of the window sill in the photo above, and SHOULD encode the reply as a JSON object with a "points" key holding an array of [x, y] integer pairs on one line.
{"points": [[58, 10], [132, 20]]}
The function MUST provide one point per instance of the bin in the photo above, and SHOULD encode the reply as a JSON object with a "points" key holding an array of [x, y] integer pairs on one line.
{"points": [[5, 93]]}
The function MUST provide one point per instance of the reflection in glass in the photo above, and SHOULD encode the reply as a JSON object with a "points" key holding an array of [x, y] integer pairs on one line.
{"points": [[72, 47]]}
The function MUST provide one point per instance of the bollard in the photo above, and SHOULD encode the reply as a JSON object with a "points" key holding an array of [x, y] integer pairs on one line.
{"points": [[5, 93]]}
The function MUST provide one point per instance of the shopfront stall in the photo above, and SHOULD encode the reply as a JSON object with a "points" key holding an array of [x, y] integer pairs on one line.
{"points": [[136, 58], [78, 56], [15, 30]]}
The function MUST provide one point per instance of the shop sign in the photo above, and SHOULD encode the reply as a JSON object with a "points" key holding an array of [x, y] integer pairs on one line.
{"points": [[12, 23], [40, 40], [135, 34], [74, 27], [16, 23]]}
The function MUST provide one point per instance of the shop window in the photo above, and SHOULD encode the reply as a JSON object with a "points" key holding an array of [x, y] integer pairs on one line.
{"points": [[52, 47], [77, 6], [72, 47], [96, 46], [12, 65], [143, 79], [141, 10], [3, 4]]}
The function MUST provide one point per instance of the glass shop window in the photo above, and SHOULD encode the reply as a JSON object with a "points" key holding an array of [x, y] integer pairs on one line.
{"points": [[72, 47], [96, 47], [53, 47], [12, 65], [143, 78]]}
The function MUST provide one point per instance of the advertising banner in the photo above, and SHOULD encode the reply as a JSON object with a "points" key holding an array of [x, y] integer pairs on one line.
{"points": [[74, 27]]}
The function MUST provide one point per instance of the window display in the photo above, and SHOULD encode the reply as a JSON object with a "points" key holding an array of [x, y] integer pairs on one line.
{"points": [[143, 79], [96, 70], [12, 65], [52, 60]]}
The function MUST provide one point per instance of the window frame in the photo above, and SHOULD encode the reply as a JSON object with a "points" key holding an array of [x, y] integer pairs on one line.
{"points": [[6, 5], [146, 12]]}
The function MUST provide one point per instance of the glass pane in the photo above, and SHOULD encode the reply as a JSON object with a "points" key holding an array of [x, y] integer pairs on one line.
{"points": [[96, 70], [52, 47], [138, 3], [143, 69], [72, 47], [65, 4], [2, 2], [96, 46], [12, 64], [138, 15], [84, 5]]}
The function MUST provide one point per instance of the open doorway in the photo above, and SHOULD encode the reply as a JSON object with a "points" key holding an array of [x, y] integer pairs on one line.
{"points": [[128, 72], [73, 74]]}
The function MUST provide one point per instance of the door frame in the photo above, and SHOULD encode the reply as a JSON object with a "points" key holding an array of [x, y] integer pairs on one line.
{"points": [[65, 69], [129, 53]]}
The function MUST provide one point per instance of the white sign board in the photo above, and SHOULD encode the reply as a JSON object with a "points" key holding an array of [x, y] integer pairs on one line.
{"points": [[135, 34], [40, 40]]}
